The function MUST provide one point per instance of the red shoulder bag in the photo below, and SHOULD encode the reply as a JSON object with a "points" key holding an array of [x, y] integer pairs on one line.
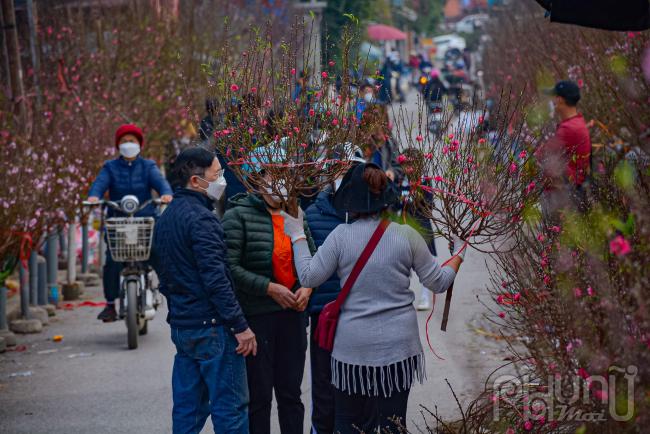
{"points": [[329, 317]]}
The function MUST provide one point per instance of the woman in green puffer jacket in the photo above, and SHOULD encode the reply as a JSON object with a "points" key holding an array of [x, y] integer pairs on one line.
{"points": [[273, 300]]}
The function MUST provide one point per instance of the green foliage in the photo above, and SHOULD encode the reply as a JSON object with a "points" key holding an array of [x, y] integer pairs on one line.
{"points": [[624, 175], [429, 16], [336, 16]]}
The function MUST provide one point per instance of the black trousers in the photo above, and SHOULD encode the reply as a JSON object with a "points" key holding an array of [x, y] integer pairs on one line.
{"points": [[278, 366], [364, 414], [322, 391]]}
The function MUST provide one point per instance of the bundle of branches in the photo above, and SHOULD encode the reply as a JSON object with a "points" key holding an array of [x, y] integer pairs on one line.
{"points": [[576, 294], [476, 179], [282, 129]]}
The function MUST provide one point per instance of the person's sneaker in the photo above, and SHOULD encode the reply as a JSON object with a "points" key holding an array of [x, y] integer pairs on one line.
{"points": [[425, 300], [108, 314]]}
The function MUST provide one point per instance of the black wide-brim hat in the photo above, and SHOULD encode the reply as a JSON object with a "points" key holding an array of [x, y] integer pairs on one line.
{"points": [[354, 195]]}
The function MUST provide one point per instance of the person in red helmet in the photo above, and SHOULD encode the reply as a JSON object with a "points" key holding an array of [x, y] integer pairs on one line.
{"points": [[131, 174]]}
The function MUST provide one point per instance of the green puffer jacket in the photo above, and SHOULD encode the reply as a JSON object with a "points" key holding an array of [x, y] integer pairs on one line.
{"points": [[248, 228]]}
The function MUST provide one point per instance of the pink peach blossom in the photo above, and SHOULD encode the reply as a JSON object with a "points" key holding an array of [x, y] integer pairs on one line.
{"points": [[619, 246]]}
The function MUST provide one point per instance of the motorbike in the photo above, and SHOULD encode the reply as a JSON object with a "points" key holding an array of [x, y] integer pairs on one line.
{"points": [[129, 242], [435, 118]]}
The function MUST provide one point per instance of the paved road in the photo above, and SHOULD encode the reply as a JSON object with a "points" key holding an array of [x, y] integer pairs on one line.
{"points": [[92, 383]]}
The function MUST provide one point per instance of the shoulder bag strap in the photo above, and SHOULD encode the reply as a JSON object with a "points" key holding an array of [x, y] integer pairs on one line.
{"points": [[361, 262]]}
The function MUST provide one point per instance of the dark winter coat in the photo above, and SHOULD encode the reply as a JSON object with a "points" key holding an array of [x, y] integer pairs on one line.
{"points": [[249, 235], [322, 218], [138, 177], [189, 256]]}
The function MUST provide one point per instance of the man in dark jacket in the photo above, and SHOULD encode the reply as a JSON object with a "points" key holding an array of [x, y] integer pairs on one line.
{"points": [[322, 219], [127, 174], [208, 326]]}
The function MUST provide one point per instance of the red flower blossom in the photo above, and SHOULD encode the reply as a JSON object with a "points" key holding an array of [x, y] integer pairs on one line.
{"points": [[530, 187], [234, 87], [619, 246]]}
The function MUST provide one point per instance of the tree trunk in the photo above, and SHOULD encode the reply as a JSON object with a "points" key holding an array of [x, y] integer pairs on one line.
{"points": [[15, 66]]}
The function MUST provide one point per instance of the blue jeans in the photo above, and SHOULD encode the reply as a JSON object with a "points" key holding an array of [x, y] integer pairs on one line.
{"points": [[209, 378]]}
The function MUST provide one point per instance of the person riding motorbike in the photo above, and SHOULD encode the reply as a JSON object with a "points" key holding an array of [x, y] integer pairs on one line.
{"points": [[435, 88], [127, 174]]}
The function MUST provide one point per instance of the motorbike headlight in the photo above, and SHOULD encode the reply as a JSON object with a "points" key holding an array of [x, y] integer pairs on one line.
{"points": [[129, 204], [423, 80]]}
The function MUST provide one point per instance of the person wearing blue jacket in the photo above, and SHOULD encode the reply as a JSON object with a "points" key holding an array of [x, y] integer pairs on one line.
{"points": [[322, 218], [127, 174], [208, 327]]}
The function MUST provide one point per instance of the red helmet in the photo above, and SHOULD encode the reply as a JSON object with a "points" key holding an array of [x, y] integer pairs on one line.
{"points": [[125, 129]]}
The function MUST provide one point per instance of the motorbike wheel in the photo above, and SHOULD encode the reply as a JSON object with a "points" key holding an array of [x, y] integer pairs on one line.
{"points": [[132, 314]]}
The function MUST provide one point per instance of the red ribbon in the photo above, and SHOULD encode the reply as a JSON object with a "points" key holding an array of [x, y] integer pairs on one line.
{"points": [[26, 246]]}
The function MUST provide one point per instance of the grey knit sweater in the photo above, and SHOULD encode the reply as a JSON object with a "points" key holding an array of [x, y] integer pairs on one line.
{"points": [[378, 324]]}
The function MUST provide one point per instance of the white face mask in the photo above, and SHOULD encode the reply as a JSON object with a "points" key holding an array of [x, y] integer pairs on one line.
{"points": [[215, 188], [368, 97], [129, 149], [275, 197]]}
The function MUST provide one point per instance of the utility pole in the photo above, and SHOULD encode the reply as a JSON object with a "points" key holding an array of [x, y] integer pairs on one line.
{"points": [[313, 15], [13, 54]]}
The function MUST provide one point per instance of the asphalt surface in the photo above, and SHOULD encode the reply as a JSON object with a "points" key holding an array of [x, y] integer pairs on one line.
{"points": [[91, 382]]}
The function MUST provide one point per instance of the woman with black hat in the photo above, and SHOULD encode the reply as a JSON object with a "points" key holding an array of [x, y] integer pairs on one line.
{"points": [[377, 354]]}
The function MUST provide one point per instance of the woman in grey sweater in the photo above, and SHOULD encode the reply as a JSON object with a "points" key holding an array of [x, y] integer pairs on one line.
{"points": [[377, 352]]}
